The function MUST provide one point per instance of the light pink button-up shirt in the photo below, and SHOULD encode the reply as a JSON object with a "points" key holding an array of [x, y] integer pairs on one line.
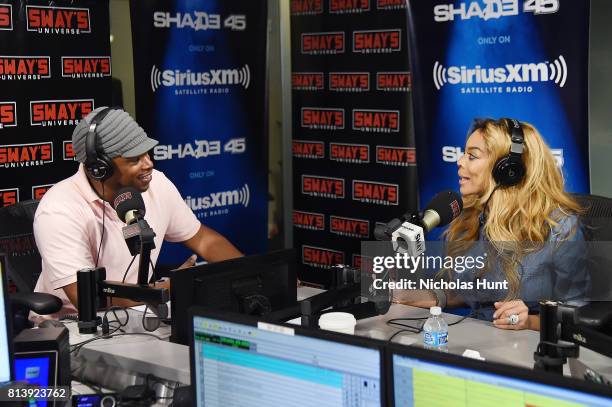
{"points": [[68, 228]]}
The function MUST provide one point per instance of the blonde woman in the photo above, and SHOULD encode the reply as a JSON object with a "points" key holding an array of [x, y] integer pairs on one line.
{"points": [[514, 204]]}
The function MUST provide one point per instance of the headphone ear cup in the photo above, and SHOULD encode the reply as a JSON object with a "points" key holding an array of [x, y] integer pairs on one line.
{"points": [[100, 170], [508, 171]]}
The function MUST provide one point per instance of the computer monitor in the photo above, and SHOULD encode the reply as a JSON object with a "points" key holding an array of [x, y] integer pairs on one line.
{"points": [[423, 377], [6, 335], [253, 285], [238, 361]]}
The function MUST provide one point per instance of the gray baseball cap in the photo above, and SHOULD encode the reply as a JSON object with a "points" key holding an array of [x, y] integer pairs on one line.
{"points": [[118, 135]]}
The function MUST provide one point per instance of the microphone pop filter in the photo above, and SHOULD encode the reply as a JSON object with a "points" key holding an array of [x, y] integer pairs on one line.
{"points": [[447, 204], [128, 199]]}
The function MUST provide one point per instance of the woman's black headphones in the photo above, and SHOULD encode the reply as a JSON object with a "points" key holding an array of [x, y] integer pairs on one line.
{"points": [[510, 169], [97, 164]]}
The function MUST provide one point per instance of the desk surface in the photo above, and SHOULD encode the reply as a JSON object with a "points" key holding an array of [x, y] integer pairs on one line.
{"points": [[170, 361]]}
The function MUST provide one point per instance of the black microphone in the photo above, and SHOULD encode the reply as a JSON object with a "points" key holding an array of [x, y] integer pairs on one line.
{"points": [[129, 205], [442, 210]]}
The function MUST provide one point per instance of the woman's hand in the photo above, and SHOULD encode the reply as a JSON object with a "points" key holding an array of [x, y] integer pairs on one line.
{"points": [[507, 311]]}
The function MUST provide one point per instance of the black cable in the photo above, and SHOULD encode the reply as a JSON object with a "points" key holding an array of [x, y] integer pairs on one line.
{"points": [[103, 219], [76, 347], [156, 317], [127, 269], [417, 329]]}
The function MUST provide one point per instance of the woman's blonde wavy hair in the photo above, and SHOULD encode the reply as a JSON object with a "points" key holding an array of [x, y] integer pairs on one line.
{"points": [[523, 213]]}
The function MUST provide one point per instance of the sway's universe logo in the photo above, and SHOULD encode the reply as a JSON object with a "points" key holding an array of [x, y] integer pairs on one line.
{"points": [[492, 9], [9, 196], [323, 187], [390, 4], [68, 152], [375, 192], [509, 74], [222, 199], [8, 114], [240, 77], [308, 220], [199, 149], [307, 80], [377, 41], [349, 153], [321, 257], [199, 21], [39, 190], [396, 156], [308, 149], [393, 81], [348, 6], [26, 155], [359, 228], [85, 67], [58, 20], [320, 118], [377, 121], [6, 17], [306, 7], [349, 81], [324, 43], [59, 112], [24, 68]]}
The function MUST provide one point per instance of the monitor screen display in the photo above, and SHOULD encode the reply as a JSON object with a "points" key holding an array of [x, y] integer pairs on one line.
{"points": [[242, 365], [5, 354], [421, 382]]}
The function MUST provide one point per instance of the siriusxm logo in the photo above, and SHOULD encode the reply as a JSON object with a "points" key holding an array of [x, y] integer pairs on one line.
{"points": [[213, 77], [220, 199], [510, 73]]}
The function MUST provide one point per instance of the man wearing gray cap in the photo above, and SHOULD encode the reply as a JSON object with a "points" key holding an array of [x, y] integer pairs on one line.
{"points": [[76, 227]]}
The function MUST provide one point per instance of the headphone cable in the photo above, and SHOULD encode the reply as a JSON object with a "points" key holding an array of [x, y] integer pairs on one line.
{"points": [[103, 219]]}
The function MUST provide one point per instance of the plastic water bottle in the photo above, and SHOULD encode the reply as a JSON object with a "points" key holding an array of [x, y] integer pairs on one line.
{"points": [[435, 331]]}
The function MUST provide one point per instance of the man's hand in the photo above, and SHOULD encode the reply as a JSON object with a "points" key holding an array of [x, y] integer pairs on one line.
{"points": [[504, 310], [190, 262]]}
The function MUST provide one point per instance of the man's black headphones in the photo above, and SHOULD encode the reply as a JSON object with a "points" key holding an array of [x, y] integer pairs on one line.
{"points": [[510, 169], [97, 164]]}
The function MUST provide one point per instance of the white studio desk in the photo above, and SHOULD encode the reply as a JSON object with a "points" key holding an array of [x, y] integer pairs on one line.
{"points": [[117, 362]]}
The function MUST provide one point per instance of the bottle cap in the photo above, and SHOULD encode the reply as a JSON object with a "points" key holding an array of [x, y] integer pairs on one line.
{"points": [[435, 311]]}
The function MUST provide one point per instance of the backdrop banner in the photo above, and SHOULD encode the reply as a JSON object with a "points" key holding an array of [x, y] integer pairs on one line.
{"points": [[525, 59], [200, 73], [353, 145]]}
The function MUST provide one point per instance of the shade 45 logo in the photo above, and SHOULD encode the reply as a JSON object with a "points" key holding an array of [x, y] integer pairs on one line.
{"points": [[9, 196], [393, 81], [348, 6], [321, 257], [324, 43], [26, 155], [306, 7], [349, 153], [492, 9], [24, 68], [199, 149], [390, 4], [376, 121], [375, 192], [308, 149], [6, 17], [359, 228], [39, 190], [308, 220], [199, 21], [58, 20], [397, 156], [59, 112], [307, 80], [349, 81], [320, 118], [8, 114], [86, 67], [377, 41], [68, 152], [323, 187]]}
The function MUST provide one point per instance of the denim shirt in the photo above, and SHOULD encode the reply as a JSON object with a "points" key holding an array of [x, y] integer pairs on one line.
{"points": [[557, 272]]}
